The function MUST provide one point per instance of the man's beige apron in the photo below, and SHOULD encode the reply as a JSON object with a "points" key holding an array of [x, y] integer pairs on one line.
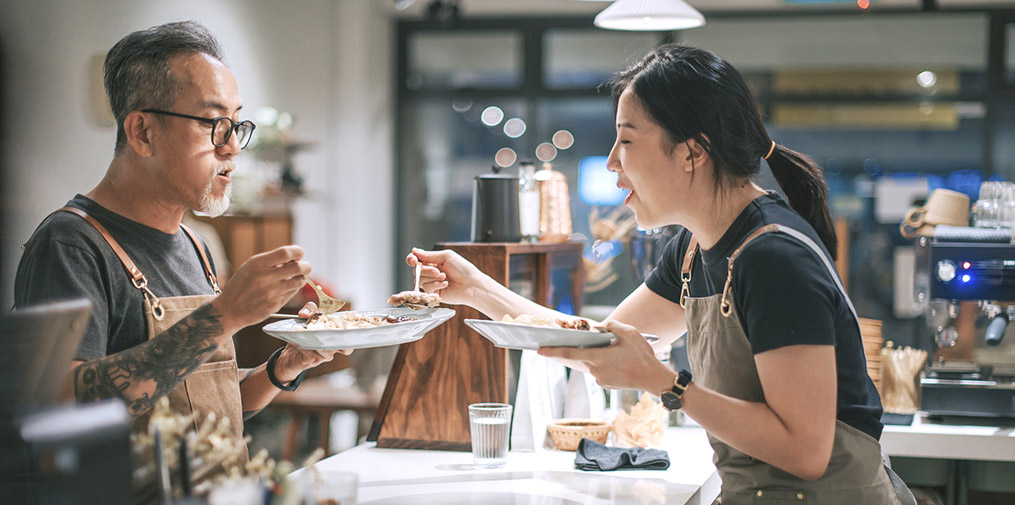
{"points": [[214, 386], [721, 359]]}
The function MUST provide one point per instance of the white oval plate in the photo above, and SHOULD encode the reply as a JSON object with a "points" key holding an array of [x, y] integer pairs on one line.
{"points": [[294, 330], [524, 336]]}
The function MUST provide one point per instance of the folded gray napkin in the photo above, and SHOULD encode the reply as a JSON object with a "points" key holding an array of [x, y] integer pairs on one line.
{"points": [[592, 455]]}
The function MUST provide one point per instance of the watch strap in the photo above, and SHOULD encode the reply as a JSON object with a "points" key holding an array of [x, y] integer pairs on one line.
{"points": [[673, 398], [269, 368], [681, 381]]}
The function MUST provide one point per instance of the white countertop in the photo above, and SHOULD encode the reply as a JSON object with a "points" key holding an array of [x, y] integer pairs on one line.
{"points": [[925, 439], [418, 477]]}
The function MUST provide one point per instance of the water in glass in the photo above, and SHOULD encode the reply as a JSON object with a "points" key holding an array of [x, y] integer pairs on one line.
{"points": [[490, 425]]}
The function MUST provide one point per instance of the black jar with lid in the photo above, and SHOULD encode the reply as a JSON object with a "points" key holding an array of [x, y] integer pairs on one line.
{"points": [[495, 208]]}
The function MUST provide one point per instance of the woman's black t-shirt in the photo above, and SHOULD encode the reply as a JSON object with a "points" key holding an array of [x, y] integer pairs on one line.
{"points": [[784, 295]]}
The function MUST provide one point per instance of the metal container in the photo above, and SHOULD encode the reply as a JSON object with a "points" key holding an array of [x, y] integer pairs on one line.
{"points": [[554, 205], [495, 208]]}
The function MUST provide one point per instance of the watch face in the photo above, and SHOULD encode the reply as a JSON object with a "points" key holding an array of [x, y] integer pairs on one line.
{"points": [[671, 401]]}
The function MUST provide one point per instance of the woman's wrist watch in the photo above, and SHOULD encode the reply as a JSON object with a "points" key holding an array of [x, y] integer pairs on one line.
{"points": [[673, 399]]}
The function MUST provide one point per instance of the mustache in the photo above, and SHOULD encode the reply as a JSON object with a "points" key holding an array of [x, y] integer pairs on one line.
{"points": [[225, 166]]}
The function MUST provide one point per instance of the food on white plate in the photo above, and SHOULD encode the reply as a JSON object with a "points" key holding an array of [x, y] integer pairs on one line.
{"points": [[415, 299], [350, 320], [549, 322]]}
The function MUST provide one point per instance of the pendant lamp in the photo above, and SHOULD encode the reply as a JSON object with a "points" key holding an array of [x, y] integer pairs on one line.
{"points": [[649, 15]]}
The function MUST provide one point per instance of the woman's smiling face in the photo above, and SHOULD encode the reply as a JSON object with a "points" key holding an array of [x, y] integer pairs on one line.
{"points": [[648, 165]]}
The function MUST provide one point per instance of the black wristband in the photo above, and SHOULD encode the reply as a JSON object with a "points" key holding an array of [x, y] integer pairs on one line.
{"points": [[269, 368]]}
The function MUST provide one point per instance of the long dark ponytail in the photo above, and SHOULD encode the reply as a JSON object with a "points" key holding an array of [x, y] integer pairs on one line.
{"points": [[694, 94]]}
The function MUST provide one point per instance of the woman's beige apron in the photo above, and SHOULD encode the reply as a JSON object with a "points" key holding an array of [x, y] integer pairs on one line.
{"points": [[721, 359], [214, 386]]}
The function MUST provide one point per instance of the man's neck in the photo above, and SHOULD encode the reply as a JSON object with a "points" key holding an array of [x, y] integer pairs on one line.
{"points": [[126, 191]]}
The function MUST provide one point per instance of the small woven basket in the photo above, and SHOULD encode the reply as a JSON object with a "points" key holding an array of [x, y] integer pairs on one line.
{"points": [[566, 433]]}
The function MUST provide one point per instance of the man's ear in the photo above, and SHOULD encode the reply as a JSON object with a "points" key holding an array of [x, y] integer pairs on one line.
{"points": [[138, 128]]}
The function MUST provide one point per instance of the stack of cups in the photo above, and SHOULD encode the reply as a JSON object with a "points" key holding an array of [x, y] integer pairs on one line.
{"points": [[996, 206], [870, 332]]}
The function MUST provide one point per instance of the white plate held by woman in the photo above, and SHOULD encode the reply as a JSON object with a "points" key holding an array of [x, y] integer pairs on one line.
{"points": [[525, 336]]}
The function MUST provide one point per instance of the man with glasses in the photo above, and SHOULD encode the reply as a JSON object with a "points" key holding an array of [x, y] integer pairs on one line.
{"points": [[161, 326]]}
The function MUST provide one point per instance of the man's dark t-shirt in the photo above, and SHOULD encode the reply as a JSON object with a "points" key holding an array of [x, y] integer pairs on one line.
{"points": [[68, 258], [784, 295]]}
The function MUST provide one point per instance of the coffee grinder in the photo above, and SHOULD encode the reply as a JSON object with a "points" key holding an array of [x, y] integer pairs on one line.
{"points": [[965, 278]]}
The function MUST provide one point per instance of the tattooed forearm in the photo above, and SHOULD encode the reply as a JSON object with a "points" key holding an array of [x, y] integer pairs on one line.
{"points": [[143, 374]]}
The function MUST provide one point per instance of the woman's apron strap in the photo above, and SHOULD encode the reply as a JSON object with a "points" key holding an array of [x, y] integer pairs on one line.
{"points": [[725, 306], [685, 269]]}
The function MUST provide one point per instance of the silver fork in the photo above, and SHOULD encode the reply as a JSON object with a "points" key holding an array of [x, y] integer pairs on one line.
{"points": [[416, 306]]}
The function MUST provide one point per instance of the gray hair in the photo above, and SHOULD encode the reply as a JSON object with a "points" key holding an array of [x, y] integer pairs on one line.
{"points": [[136, 71]]}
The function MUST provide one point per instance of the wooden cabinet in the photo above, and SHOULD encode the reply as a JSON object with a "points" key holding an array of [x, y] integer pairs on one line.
{"points": [[244, 235], [433, 380]]}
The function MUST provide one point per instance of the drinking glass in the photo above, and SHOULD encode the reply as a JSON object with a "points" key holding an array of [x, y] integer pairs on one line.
{"points": [[1006, 205], [986, 208], [490, 424]]}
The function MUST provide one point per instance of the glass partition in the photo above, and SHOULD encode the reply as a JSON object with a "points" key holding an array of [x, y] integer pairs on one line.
{"points": [[585, 58], [456, 60]]}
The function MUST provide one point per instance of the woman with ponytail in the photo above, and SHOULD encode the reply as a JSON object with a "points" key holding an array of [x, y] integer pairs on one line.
{"points": [[778, 375]]}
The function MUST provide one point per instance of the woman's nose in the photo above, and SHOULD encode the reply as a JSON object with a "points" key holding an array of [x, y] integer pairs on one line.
{"points": [[613, 161]]}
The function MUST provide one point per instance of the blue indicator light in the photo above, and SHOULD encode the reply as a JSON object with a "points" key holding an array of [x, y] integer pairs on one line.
{"points": [[965, 278]]}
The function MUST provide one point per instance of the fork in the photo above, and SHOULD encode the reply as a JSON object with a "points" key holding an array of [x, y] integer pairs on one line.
{"points": [[326, 304], [416, 306]]}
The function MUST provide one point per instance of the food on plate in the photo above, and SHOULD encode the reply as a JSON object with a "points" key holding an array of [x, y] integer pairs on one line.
{"points": [[549, 322], [349, 320], [575, 324], [415, 299]]}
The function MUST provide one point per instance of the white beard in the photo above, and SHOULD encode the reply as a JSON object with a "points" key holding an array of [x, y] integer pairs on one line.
{"points": [[215, 207], [212, 206]]}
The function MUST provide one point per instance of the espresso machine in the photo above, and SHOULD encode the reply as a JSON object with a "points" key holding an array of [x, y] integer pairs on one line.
{"points": [[965, 280]]}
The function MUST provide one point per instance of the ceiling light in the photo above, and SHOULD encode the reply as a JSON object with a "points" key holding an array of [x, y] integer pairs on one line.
{"points": [[649, 15]]}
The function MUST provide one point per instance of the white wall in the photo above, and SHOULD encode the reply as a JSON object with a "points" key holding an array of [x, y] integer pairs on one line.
{"points": [[328, 62]]}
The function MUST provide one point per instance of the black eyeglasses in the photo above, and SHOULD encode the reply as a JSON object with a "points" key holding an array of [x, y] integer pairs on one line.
{"points": [[221, 127]]}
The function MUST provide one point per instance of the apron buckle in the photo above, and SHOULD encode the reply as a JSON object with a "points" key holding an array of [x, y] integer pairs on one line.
{"points": [[684, 290], [158, 312], [725, 308]]}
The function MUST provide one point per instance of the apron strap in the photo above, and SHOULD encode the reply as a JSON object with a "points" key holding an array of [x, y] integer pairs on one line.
{"points": [[136, 277], [902, 491], [204, 258], [725, 306], [685, 269]]}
